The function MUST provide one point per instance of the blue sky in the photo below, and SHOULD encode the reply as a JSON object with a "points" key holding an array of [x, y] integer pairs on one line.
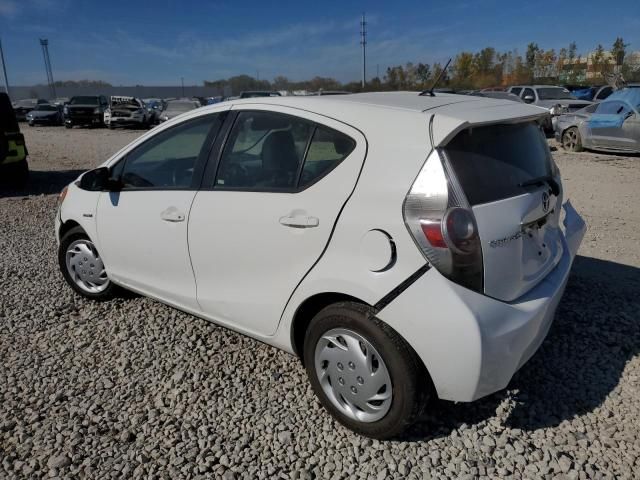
{"points": [[157, 42]]}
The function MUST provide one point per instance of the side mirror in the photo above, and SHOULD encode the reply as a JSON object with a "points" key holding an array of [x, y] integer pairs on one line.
{"points": [[529, 99], [98, 180]]}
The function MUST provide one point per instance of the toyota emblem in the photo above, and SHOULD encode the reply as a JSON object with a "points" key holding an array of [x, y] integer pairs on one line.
{"points": [[545, 202]]}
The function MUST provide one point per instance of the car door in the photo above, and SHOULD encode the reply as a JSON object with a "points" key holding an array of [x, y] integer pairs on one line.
{"points": [[627, 137], [269, 211], [142, 228], [606, 125]]}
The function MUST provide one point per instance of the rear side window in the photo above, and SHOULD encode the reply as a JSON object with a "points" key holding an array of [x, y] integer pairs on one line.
{"points": [[491, 162], [327, 149], [516, 90], [269, 151]]}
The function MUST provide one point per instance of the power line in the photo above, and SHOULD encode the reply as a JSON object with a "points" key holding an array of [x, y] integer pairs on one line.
{"points": [[363, 42]]}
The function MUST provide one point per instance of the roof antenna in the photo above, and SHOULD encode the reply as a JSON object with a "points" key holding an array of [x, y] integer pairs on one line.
{"points": [[430, 90]]}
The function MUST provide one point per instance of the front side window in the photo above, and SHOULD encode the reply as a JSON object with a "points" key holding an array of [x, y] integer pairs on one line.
{"points": [[264, 152], [168, 159]]}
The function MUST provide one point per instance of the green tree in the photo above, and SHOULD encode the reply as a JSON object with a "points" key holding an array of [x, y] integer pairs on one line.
{"points": [[619, 50], [463, 70]]}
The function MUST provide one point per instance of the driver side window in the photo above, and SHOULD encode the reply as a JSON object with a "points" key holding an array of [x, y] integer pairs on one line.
{"points": [[168, 160]]}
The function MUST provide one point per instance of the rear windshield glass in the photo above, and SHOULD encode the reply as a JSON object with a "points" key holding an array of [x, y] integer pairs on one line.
{"points": [[491, 162]]}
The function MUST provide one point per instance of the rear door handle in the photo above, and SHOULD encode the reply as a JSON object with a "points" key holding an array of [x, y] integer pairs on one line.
{"points": [[299, 221], [172, 214]]}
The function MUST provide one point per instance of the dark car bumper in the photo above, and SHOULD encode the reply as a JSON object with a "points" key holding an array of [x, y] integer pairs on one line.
{"points": [[91, 119], [45, 121]]}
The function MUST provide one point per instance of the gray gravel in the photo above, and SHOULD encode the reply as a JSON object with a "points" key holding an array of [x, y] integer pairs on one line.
{"points": [[132, 388]]}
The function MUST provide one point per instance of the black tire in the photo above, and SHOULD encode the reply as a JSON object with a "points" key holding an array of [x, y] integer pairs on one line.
{"points": [[68, 125], [77, 233], [412, 386], [571, 140], [31, 124]]}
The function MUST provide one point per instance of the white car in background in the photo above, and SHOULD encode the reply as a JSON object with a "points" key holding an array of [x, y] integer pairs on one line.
{"points": [[126, 111], [405, 247], [174, 108]]}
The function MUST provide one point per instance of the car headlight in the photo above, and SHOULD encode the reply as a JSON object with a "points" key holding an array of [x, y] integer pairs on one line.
{"points": [[556, 110]]}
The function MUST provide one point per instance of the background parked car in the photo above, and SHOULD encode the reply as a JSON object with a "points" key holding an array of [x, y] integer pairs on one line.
{"points": [[45, 114], [176, 107], [255, 94], [611, 125], [498, 95], [85, 110], [593, 94], [557, 100], [127, 111], [22, 107]]}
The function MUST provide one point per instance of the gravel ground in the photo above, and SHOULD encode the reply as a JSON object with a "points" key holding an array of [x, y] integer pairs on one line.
{"points": [[133, 388]]}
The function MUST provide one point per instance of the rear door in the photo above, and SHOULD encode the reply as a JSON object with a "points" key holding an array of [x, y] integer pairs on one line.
{"points": [[517, 216], [268, 212]]}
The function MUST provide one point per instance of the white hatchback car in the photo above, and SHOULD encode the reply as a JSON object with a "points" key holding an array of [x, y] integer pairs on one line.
{"points": [[403, 246]]}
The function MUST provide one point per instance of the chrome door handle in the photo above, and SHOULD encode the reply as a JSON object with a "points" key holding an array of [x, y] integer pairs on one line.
{"points": [[299, 221], [172, 214]]}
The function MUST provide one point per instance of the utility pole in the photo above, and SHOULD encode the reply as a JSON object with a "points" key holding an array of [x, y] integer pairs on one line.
{"points": [[378, 71], [363, 42], [4, 70], [44, 43]]}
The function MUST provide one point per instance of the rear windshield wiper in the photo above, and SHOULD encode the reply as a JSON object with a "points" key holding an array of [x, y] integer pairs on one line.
{"points": [[546, 179]]}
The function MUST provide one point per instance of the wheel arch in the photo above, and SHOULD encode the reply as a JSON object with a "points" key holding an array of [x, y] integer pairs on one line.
{"points": [[308, 309], [66, 226]]}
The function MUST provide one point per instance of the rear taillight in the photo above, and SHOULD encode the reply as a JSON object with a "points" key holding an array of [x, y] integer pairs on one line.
{"points": [[442, 224]]}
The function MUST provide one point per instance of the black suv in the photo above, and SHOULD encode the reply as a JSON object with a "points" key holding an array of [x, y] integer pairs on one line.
{"points": [[85, 110]]}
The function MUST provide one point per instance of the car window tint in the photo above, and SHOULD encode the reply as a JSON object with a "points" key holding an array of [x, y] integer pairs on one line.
{"points": [[516, 90], [327, 149], [264, 152], [168, 159], [527, 92]]}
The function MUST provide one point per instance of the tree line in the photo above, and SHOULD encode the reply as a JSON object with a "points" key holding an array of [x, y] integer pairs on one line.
{"points": [[471, 70]]}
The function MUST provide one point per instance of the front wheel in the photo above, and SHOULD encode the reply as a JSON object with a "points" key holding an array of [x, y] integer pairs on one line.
{"points": [[363, 372], [571, 140], [82, 266], [68, 125]]}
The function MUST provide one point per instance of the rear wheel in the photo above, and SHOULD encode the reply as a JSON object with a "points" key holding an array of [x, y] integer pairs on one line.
{"points": [[82, 266], [571, 140], [68, 125], [363, 372]]}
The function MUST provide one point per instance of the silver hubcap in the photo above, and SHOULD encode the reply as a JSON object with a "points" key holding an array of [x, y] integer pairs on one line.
{"points": [[570, 139], [85, 267], [353, 375]]}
